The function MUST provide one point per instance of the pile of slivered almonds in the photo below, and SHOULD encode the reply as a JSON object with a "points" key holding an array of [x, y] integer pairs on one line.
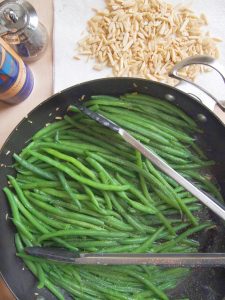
{"points": [[146, 38]]}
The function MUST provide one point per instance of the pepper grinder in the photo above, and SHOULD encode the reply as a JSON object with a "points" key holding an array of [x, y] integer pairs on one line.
{"points": [[21, 29]]}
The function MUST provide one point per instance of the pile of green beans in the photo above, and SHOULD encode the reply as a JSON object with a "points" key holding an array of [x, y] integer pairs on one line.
{"points": [[79, 186]]}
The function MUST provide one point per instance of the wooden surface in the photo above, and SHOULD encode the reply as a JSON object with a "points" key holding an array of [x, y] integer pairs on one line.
{"points": [[43, 76], [10, 115], [5, 294]]}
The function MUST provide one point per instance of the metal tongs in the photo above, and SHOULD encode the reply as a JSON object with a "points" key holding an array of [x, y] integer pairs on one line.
{"points": [[209, 201], [190, 260], [158, 259]]}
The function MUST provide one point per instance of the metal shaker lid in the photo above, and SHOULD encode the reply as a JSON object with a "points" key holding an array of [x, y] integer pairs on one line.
{"points": [[16, 15]]}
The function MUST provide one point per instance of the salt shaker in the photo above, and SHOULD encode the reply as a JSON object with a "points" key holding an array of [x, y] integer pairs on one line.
{"points": [[20, 27]]}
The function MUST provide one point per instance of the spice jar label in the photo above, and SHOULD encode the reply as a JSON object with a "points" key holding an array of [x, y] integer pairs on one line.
{"points": [[16, 80]]}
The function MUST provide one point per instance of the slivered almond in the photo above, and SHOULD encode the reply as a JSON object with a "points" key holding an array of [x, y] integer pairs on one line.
{"points": [[145, 38]]}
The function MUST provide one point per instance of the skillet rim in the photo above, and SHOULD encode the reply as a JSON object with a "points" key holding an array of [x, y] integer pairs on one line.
{"points": [[133, 80]]}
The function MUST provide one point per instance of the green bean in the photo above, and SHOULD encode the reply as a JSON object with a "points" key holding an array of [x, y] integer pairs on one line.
{"points": [[72, 207], [28, 226], [127, 204], [168, 157], [134, 240], [171, 181], [169, 129], [92, 196], [82, 232], [120, 249], [72, 223], [39, 184], [31, 209], [106, 291], [138, 129], [161, 105], [33, 169], [160, 124], [182, 205], [69, 146], [41, 276], [28, 215], [143, 121], [166, 247], [98, 142], [105, 97], [72, 160], [208, 184], [91, 243], [52, 134], [147, 195], [114, 275], [115, 141], [23, 230], [71, 287], [147, 207], [36, 223], [139, 107], [153, 113], [151, 286], [49, 128], [29, 146], [117, 224], [197, 150], [33, 269], [148, 176], [13, 206], [118, 103], [67, 214], [194, 166], [141, 207], [68, 189], [116, 204], [105, 283], [106, 196], [61, 194], [172, 151], [145, 246], [76, 176], [40, 227], [112, 166]]}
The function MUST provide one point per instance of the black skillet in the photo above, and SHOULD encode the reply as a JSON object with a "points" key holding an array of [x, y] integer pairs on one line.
{"points": [[202, 284]]}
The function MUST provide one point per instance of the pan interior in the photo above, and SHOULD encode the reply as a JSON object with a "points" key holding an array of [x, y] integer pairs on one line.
{"points": [[201, 283]]}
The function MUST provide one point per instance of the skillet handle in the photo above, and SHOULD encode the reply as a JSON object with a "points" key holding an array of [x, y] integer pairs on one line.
{"points": [[202, 60]]}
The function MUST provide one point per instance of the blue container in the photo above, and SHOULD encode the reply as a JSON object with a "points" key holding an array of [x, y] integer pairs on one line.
{"points": [[16, 79]]}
